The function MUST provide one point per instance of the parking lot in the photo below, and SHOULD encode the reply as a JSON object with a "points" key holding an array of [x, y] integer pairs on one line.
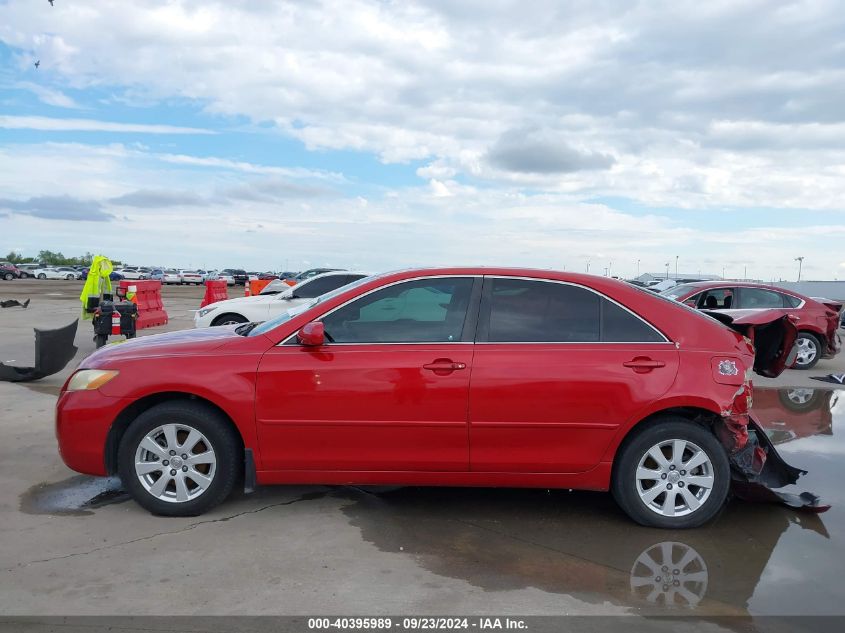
{"points": [[75, 545]]}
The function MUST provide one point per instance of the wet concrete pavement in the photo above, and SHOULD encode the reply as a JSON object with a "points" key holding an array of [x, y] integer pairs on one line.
{"points": [[73, 545]]}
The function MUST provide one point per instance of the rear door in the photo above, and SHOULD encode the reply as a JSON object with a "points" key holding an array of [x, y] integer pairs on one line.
{"points": [[557, 369]]}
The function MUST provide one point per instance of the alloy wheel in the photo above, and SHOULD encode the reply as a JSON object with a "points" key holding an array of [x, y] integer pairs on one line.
{"points": [[807, 350], [674, 478], [175, 463]]}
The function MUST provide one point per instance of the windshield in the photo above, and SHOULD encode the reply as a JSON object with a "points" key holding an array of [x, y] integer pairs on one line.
{"points": [[677, 291], [287, 315]]}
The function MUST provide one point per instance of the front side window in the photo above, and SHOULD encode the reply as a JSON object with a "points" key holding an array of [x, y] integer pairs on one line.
{"points": [[756, 298], [717, 299], [528, 311], [419, 311]]}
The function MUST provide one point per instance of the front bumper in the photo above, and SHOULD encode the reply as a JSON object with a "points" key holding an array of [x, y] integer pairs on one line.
{"points": [[83, 420]]}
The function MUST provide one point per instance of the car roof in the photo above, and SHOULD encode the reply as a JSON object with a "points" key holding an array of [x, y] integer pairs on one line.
{"points": [[742, 284]]}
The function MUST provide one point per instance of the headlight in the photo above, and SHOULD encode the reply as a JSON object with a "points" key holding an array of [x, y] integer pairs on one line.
{"points": [[204, 311], [88, 379]]}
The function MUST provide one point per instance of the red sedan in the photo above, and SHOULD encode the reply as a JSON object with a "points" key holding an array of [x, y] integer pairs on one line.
{"points": [[460, 376], [818, 319]]}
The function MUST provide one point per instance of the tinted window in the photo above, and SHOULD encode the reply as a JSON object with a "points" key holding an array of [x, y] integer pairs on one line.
{"points": [[420, 311], [751, 298], [320, 286], [791, 302], [537, 311]]}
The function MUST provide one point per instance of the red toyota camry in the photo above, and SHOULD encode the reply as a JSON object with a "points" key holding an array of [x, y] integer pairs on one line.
{"points": [[460, 377]]}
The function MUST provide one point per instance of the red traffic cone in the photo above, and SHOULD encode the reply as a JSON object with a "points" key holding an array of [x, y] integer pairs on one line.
{"points": [[246, 289], [115, 322]]}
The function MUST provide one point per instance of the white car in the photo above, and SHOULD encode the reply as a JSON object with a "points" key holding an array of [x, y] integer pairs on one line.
{"points": [[56, 273], [171, 276], [230, 281], [133, 273], [262, 307], [191, 277]]}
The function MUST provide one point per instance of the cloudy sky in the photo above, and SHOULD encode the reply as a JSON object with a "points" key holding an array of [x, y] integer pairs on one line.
{"points": [[378, 135]]}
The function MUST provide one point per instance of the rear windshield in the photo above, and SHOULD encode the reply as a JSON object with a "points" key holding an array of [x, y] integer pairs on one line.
{"points": [[677, 291]]}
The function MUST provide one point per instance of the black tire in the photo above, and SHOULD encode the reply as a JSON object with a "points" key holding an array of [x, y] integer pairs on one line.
{"points": [[229, 319], [70, 277], [813, 340], [635, 447], [42, 276], [213, 425], [100, 340], [797, 399], [8, 276]]}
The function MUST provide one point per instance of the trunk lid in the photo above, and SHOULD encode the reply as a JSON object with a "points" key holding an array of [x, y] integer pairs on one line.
{"points": [[771, 332]]}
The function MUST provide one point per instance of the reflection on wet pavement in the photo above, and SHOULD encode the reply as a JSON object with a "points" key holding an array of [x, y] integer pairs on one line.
{"points": [[754, 558], [76, 496]]}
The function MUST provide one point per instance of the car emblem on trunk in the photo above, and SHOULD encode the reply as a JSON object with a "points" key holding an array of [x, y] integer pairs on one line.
{"points": [[728, 368]]}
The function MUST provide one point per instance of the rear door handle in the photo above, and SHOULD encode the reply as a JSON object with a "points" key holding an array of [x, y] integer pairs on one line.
{"points": [[444, 365], [642, 364]]}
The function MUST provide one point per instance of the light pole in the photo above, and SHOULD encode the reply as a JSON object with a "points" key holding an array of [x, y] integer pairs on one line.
{"points": [[676, 268], [638, 268], [667, 270], [610, 269], [800, 261], [588, 266]]}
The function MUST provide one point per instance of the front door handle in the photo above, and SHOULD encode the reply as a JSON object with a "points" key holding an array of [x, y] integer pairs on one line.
{"points": [[444, 366], [643, 364]]}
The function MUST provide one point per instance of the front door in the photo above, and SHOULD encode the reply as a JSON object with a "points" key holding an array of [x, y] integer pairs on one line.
{"points": [[388, 390], [557, 369]]}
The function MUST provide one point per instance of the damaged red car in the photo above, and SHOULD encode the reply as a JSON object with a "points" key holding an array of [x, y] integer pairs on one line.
{"points": [[443, 377], [817, 319]]}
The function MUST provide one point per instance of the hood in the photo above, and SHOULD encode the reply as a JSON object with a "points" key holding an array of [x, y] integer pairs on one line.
{"points": [[771, 332], [182, 342], [274, 287]]}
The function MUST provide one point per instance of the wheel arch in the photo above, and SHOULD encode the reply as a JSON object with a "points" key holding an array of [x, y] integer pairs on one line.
{"points": [[132, 411], [226, 314]]}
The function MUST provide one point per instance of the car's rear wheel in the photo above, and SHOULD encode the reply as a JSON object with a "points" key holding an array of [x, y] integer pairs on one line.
{"points": [[179, 459], [69, 277], [671, 474], [8, 276], [229, 319], [809, 350]]}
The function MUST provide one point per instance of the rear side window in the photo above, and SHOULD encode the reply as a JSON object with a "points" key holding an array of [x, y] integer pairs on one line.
{"points": [[791, 302], [717, 299], [756, 298], [529, 311]]}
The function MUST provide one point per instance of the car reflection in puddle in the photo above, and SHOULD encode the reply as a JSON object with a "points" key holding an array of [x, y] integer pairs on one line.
{"points": [[753, 558]]}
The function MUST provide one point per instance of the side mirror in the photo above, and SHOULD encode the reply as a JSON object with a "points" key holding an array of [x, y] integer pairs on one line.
{"points": [[312, 334]]}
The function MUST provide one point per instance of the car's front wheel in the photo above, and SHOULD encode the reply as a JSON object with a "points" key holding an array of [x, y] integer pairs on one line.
{"points": [[671, 474], [809, 350], [8, 276], [229, 319], [42, 276], [179, 458]]}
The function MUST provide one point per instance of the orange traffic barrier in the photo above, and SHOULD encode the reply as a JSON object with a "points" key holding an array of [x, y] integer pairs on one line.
{"points": [[255, 287], [215, 290], [148, 299]]}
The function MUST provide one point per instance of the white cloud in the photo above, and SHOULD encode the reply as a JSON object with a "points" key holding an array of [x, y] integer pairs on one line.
{"points": [[43, 123], [48, 95]]}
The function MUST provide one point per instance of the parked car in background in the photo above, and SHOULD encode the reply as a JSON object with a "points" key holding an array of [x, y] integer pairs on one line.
{"points": [[133, 273], [311, 272], [62, 272], [157, 274], [9, 272], [253, 276], [267, 306], [224, 276], [170, 276], [191, 277], [818, 319], [238, 275], [457, 376], [115, 276], [268, 276], [27, 269]]}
